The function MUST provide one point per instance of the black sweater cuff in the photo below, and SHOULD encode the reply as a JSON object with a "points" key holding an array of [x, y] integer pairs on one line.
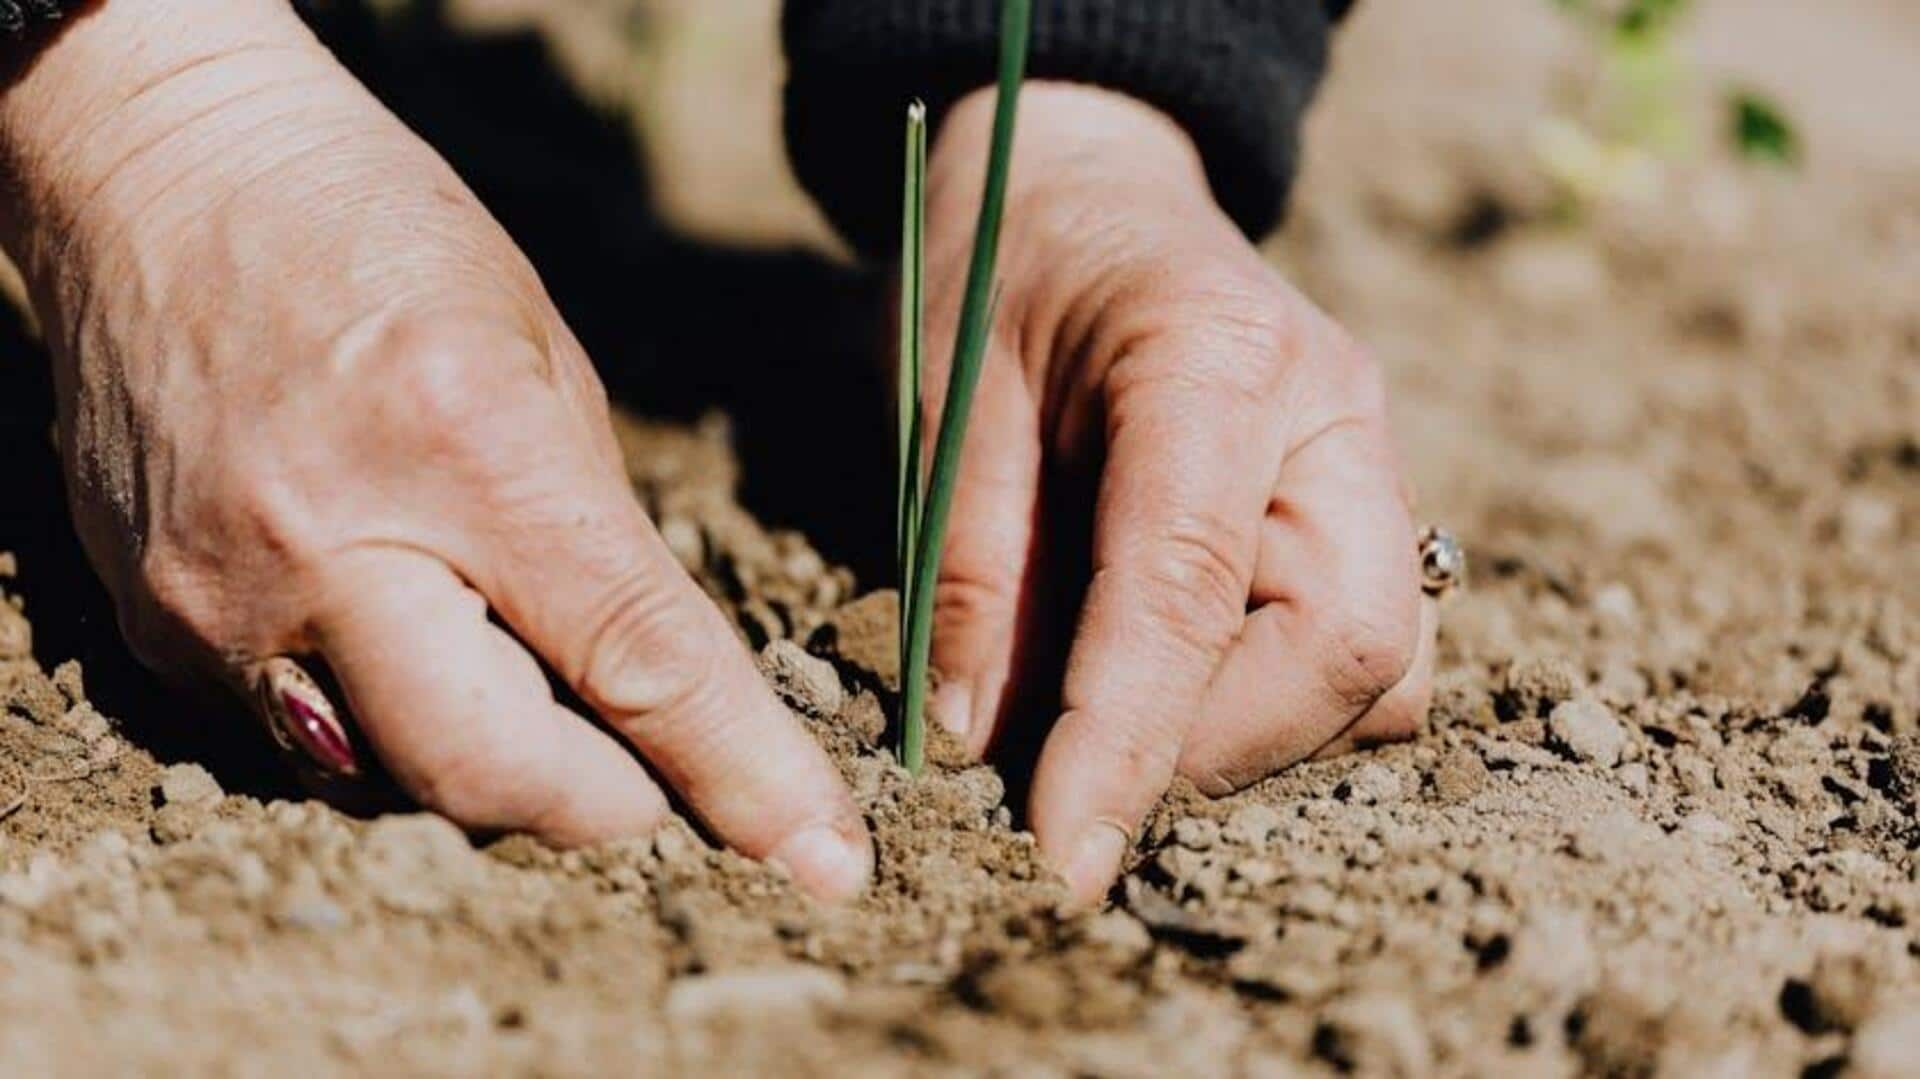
{"points": [[1236, 74]]}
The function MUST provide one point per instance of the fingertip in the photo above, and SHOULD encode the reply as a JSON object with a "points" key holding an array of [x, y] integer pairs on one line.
{"points": [[832, 861], [1094, 784], [1092, 861], [953, 708]]}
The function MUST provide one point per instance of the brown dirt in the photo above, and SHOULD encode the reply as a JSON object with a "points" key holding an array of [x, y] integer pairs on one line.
{"points": [[1664, 820]]}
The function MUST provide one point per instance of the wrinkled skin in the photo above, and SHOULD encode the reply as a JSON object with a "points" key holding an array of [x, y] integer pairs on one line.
{"points": [[313, 402], [1251, 596]]}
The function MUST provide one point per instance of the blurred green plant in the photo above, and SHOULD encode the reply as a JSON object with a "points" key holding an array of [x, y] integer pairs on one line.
{"points": [[1761, 131], [1633, 117]]}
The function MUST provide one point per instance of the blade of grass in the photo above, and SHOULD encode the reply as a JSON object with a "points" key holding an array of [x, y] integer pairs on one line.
{"points": [[913, 250], [969, 352]]}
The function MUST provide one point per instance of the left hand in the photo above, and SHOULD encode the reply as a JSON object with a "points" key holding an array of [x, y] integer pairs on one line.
{"points": [[1251, 589]]}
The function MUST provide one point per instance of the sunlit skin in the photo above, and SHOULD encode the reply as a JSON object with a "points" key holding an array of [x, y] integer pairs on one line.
{"points": [[314, 402]]}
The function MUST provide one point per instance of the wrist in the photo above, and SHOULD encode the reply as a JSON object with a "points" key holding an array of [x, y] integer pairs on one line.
{"points": [[1071, 135]]}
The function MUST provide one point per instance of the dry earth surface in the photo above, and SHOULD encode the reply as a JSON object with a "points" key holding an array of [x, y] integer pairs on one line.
{"points": [[1663, 821]]}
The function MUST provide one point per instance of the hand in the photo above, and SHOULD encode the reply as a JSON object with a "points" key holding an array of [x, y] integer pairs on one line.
{"points": [[313, 401], [1248, 595]]}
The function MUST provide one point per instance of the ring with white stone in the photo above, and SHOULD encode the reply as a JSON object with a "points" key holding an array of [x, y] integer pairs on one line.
{"points": [[1443, 562]]}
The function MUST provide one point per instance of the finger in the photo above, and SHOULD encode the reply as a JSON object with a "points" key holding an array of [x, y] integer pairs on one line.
{"points": [[461, 714], [1174, 547], [1400, 714], [583, 577], [1337, 624], [986, 589]]}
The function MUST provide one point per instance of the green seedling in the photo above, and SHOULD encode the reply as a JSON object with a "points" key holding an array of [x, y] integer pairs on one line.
{"points": [[925, 501]]}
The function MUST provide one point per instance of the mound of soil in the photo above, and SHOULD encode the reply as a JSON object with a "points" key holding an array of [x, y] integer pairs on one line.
{"points": [[1664, 818]]}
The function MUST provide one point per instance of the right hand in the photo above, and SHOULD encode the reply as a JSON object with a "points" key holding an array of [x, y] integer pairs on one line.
{"points": [[314, 402]]}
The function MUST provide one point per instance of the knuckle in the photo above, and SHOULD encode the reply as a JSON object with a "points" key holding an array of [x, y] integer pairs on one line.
{"points": [[1239, 329], [1192, 579], [1219, 766], [449, 382], [475, 784], [969, 594], [1364, 655], [642, 653], [444, 390], [1139, 754], [1234, 365]]}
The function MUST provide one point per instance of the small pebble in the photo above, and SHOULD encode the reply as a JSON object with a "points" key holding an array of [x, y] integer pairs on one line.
{"points": [[1611, 836], [1621, 684], [1257, 872], [1196, 833], [175, 821], [1459, 776], [1372, 783], [1706, 826], [1252, 825], [1904, 758], [683, 538], [67, 678], [1635, 778], [807, 682], [1028, 991], [189, 785], [1374, 1033], [16, 634], [1533, 686], [82, 721], [308, 910], [670, 844], [803, 564], [753, 993], [1616, 606], [1845, 989], [1118, 932], [1585, 730]]}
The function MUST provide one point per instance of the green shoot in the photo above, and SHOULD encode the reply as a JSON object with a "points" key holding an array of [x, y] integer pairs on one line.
{"points": [[912, 349], [927, 537]]}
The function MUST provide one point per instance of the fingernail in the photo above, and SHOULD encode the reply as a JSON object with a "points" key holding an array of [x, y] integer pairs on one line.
{"points": [[1095, 862], [301, 713], [320, 736], [953, 707], [830, 861]]}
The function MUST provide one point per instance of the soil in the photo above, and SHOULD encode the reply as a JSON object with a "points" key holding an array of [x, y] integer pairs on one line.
{"points": [[1663, 821]]}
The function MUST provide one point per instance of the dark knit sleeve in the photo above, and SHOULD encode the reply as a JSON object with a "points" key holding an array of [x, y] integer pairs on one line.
{"points": [[1236, 74], [16, 15]]}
